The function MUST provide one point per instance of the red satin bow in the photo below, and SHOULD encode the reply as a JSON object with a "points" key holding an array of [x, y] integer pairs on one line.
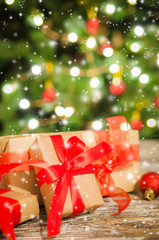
{"points": [[122, 154], [10, 214], [74, 161]]}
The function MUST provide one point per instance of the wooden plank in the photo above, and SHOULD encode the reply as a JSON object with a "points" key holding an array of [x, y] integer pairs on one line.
{"points": [[139, 221]]}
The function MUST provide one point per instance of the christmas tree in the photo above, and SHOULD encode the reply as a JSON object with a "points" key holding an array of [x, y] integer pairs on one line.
{"points": [[67, 65]]}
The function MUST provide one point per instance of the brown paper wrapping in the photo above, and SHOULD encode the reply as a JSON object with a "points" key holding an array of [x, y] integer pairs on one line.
{"points": [[89, 190], [126, 178], [24, 182], [28, 203]]}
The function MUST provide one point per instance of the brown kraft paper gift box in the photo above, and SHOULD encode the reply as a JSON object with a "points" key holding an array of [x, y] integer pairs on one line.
{"points": [[89, 190], [19, 180], [28, 204], [127, 177]]}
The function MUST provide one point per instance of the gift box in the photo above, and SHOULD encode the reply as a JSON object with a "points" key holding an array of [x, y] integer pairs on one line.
{"points": [[23, 179], [16, 208], [68, 185], [120, 168]]}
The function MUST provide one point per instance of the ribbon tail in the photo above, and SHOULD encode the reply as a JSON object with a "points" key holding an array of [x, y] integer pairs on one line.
{"points": [[6, 223], [119, 196], [57, 206], [77, 202]]}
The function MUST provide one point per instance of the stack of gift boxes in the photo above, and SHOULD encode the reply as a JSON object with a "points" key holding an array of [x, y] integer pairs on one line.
{"points": [[66, 172]]}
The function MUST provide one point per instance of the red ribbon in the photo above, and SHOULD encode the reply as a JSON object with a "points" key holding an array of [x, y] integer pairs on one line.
{"points": [[10, 215], [73, 161], [120, 156]]}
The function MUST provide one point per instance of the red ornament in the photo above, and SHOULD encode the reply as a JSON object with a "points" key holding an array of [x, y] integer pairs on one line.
{"points": [[136, 124], [117, 90], [49, 95], [149, 185], [92, 26], [156, 101], [104, 46]]}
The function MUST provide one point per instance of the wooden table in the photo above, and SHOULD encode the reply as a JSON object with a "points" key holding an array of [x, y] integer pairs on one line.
{"points": [[139, 221]]}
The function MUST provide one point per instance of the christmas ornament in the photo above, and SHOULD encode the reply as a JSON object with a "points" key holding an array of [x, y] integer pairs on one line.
{"points": [[149, 185], [48, 95], [117, 90], [156, 101], [92, 26], [136, 124]]}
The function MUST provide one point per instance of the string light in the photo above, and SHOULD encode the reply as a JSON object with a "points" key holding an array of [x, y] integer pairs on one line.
{"points": [[110, 8], [116, 81], [135, 71], [72, 37], [74, 71], [151, 122], [139, 31], [114, 68], [9, 2], [24, 103], [135, 47], [158, 59], [97, 125], [36, 69], [60, 111], [33, 123], [108, 52], [144, 78], [132, 2], [69, 111], [8, 88], [94, 82], [124, 126], [91, 42], [38, 21]]}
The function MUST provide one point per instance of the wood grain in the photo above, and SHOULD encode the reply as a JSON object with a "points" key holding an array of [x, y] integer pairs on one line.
{"points": [[139, 221]]}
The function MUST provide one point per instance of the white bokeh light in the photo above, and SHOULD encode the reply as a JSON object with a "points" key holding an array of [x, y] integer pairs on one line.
{"points": [[108, 52], [110, 8], [135, 47], [74, 71], [24, 103], [114, 68], [38, 21], [132, 2], [69, 111], [144, 78], [135, 71], [94, 82], [72, 37], [151, 122], [91, 42], [8, 88], [60, 111], [36, 69], [139, 31], [9, 2], [33, 123], [97, 125]]}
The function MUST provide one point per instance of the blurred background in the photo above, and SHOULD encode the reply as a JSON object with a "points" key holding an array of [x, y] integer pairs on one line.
{"points": [[67, 65]]}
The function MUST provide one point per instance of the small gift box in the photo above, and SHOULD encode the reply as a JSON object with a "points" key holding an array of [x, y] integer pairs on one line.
{"points": [[120, 168], [23, 179], [16, 208]]}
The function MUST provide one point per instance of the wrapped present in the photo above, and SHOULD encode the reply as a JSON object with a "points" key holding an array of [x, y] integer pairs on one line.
{"points": [[76, 190], [120, 168], [15, 149], [16, 208]]}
